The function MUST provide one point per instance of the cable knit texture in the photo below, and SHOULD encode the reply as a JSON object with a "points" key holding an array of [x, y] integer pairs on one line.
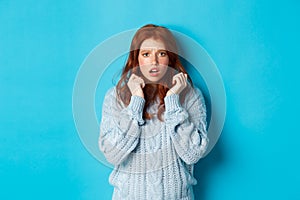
{"points": [[153, 160]]}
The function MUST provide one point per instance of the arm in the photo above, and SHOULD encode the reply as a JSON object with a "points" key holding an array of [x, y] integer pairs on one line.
{"points": [[120, 127], [187, 126]]}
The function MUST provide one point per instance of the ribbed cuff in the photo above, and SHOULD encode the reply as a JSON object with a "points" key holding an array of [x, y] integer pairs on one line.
{"points": [[136, 107], [172, 102], [136, 104]]}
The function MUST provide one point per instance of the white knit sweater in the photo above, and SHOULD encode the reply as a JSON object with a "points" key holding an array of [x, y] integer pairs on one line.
{"points": [[153, 160]]}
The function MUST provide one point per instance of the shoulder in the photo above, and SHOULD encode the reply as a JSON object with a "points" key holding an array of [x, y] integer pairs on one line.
{"points": [[194, 93], [111, 98], [110, 95], [111, 92]]}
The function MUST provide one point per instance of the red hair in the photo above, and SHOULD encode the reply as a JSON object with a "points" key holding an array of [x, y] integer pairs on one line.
{"points": [[152, 92]]}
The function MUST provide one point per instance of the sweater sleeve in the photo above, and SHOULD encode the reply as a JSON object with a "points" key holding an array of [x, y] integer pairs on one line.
{"points": [[187, 125], [120, 127]]}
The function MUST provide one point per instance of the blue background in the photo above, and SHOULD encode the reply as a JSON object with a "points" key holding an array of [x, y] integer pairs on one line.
{"points": [[255, 45]]}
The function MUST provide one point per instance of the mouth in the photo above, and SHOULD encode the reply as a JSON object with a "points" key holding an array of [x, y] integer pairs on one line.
{"points": [[154, 72]]}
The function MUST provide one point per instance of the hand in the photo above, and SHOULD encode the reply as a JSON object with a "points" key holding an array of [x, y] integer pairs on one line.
{"points": [[136, 85], [180, 81]]}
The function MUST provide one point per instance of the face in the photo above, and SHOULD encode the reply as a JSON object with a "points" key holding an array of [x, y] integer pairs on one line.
{"points": [[153, 59]]}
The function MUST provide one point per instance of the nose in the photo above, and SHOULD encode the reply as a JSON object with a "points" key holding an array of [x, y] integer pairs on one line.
{"points": [[155, 59]]}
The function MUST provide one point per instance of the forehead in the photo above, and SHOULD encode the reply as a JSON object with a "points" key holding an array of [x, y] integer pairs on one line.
{"points": [[152, 44]]}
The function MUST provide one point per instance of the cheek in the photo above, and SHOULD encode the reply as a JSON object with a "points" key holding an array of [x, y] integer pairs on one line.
{"points": [[164, 61], [143, 71], [142, 61]]}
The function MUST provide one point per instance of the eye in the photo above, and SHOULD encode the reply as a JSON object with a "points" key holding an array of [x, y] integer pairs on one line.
{"points": [[162, 54], [146, 54]]}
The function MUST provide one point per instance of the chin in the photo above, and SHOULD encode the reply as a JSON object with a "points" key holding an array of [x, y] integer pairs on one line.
{"points": [[153, 80]]}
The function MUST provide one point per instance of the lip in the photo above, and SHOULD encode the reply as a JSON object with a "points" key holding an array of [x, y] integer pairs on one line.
{"points": [[153, 74], [154, 68]]}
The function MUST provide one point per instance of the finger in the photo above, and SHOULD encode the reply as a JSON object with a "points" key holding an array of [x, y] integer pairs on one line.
{"points": [[139, 81], [143, 83], [132, 78], [184, 79], [181, 78], [175, 80], [181, 74]]}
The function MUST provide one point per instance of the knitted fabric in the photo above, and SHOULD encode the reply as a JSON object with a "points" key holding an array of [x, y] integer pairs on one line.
{"points": [[153, 160]]}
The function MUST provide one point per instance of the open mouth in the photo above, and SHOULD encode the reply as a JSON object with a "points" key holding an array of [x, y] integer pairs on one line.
{"points": [[154, 70]]}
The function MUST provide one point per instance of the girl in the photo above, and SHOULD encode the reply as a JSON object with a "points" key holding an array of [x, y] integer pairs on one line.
{"points": [[153, 127]]}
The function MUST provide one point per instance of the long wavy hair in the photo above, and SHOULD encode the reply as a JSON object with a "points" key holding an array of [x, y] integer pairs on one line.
{"points": [[153, 92]]}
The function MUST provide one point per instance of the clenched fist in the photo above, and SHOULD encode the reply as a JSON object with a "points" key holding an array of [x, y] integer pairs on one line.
{"points": [[136, 85], [180, 82]]}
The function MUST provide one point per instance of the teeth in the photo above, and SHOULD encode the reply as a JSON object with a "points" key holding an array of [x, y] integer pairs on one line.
{"points": [[154, 70]]}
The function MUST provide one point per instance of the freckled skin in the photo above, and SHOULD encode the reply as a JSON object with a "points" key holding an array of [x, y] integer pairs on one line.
{"points": [[153, 56]]}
